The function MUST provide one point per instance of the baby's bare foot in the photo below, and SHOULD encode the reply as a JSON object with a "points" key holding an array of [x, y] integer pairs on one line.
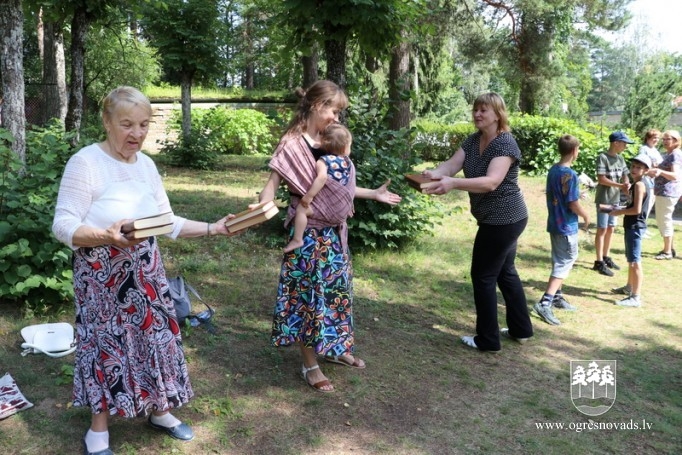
{"points": [[291, 246]]}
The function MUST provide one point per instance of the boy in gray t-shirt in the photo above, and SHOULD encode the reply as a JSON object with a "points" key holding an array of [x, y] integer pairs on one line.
{"points": [[612, 178]]}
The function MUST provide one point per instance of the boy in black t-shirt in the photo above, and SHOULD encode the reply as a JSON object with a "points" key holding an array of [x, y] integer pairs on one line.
{"points": [[634, 224]]}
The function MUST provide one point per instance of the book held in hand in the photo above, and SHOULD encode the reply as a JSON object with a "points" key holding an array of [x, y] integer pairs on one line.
{"points": [[418, 181], [161, 219], [150, 231], [261, 213], [608, 208]]}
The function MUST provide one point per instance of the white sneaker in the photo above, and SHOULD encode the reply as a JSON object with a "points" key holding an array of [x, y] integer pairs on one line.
{"points": [[505, 333]]}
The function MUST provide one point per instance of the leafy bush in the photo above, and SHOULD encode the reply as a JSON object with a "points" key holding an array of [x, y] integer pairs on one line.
{"points": [[220, 130], [34, 266], [194, 152], [438, 142], [380, 154], [537, 138], [239, 131]]}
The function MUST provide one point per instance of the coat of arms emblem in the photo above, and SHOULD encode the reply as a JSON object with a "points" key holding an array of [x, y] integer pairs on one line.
{"points": [[593, 385]]}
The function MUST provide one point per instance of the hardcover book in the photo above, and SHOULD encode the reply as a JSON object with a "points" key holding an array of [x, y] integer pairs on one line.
{"points": [[608, 208], [150, 231], [261, 213], [418, 181], [161, 219]]}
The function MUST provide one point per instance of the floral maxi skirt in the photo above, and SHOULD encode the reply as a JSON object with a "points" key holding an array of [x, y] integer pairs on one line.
{"points": [[129, 359], [315, 296]]}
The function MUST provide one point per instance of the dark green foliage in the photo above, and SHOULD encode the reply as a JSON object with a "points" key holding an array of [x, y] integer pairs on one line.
{"points": [[537, 138], [439, 142], [193, 152], [220, 130], [238, 131], [34, 266], [380, 154]]}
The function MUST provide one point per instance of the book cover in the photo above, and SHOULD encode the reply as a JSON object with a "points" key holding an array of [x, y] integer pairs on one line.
{"points": [[608, 208], [161, 219], [418, 181], [150, 231], [261, 213]]}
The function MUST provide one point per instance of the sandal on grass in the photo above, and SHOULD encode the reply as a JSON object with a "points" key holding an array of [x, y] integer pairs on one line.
{"points": [[321, 386], [356, 363]]}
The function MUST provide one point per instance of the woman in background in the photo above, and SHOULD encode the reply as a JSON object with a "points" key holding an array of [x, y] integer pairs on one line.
{"points": [[668, 190]]}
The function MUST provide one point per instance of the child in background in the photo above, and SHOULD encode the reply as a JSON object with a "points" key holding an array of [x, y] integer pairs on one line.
{"points": [[563, 210], [634, 223], [612, 178], [336, 141]]}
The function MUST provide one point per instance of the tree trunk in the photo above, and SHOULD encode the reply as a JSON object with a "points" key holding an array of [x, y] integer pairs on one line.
{"points": [[528, 95], [12, 116], [336, 61], [249, 56], [79, 30], [310, 66], [186, 104], [54, 73], [249, 76], [399, 86]]}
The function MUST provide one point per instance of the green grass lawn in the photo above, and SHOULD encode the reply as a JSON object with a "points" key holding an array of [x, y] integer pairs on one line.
{"points": [[422, 392]]}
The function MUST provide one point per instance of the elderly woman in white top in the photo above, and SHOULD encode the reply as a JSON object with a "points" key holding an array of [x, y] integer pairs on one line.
{"points": [[129, 359]]}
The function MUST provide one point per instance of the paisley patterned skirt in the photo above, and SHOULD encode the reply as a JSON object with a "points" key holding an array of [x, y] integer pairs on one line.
{"points": [[129, 359], [315, 296]]}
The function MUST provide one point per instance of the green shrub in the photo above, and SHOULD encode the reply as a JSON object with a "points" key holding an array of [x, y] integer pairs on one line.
{"points": [[537, 138], [220, 130], [380, 154], [438, 142], [34, 266], [194, 152], [239, 131]]}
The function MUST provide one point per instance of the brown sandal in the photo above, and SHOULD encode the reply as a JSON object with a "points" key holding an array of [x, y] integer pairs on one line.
{"points": [[320, 385], [357, 363]]}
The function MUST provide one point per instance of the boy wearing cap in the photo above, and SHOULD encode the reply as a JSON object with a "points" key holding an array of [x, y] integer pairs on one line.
{"points": [[634, 224], [612, 178], [563, 209]]}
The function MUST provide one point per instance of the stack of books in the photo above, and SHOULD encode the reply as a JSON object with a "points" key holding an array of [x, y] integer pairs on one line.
{"points": [[148, 226], [251, 217]]}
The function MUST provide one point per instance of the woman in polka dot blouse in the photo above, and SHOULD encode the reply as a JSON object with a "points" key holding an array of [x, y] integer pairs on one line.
{"points": [[490, 159]]}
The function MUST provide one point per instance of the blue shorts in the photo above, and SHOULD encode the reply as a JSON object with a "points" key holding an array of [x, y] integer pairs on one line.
{"points": [[605, 220], [564, 254], [633, 245]]}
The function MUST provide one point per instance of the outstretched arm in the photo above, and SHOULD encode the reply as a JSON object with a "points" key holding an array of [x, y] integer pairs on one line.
{"points": [[270, 188], [380, 194], [497, 170], [447, 168]]}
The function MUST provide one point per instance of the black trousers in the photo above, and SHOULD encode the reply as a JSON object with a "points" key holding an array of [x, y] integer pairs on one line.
{"points": [[492, 266]]}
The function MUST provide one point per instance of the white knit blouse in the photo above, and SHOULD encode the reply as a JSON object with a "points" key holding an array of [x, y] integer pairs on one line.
{"points": [[97, 190]]}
